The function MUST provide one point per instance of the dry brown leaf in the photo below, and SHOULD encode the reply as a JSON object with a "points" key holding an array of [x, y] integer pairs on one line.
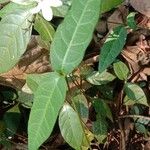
{"points": [[142, 6], [114, 20], [138, 59], [118, 17], [147, 145], [143, 21]]}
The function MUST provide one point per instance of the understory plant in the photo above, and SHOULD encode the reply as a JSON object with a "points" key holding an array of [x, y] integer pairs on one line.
{"points": [[65, 28]]}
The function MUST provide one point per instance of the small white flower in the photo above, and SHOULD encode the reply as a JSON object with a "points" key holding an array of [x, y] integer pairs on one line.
{"points": [[45, 7], [42, 5]]}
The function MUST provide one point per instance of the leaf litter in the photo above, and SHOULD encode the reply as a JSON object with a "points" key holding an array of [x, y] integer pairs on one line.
{"points": [[135, 54]]}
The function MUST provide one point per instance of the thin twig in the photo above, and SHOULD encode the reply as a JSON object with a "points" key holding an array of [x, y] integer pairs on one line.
{"points": [[135, 116]]}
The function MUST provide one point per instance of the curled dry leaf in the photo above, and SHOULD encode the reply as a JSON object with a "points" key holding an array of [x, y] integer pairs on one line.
{"points": [[142, 6], [138, 59], [143, 21]]}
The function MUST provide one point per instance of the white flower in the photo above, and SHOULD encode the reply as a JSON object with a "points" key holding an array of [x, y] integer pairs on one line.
{"points": [[45, 7], [42, 5]]}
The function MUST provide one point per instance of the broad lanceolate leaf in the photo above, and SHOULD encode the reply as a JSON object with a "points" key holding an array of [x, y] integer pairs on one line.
{"points": [[97, 78], [109, 4], [73, 35], [44, 28], [48, 100], [15, 32], [121, 70], [112, 47], [70, 127], [135, 95]]}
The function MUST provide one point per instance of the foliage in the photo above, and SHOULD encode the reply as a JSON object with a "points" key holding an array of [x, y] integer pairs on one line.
{"points": [[112, 47], [73, 35], [56, 101]]}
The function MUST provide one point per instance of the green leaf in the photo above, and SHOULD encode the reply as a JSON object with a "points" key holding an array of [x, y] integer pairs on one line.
{"points": [[81, 105], [135, 110], [143, 120], [23, 2], [107, 91], [25, 96], [25, 99], [109, 4], [131, 21], [60, 11], [3, 1], [11, 120], [100, 128], [73, 35], [34, 80], [121, 70], [44, 28], [13, 7], [4, 140], [100, 125], [112, 47], [102, 108], [141, 128], [15, 29], [97, 78], [48, 99], [70, 127], [2, 127], [42, 43], [135, 95]]}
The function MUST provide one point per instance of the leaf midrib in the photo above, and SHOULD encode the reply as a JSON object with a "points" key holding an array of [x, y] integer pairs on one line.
{"points": [[47, 30], [74, 34], [110, 52], [41, 121]]}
